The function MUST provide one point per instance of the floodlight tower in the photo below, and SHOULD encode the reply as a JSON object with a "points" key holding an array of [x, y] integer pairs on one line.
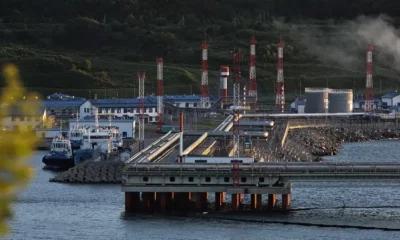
{"points": [[369, 86], [280, 85], [252, 71], [141, 78], [236, 147], [160, 93]]}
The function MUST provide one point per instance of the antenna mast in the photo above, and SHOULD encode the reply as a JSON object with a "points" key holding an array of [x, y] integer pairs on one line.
{"points": [[141, 78], [369, 87], [237, 57], [252, 71]]}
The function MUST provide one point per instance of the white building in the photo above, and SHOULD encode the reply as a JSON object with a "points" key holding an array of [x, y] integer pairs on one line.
{"points": [[17, 119], [126, 126], [126, 108], [390, 100], [62, 105]]}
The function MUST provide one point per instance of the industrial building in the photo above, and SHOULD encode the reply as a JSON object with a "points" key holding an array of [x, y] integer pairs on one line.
{"points": [[65, 106], [126, 126]]}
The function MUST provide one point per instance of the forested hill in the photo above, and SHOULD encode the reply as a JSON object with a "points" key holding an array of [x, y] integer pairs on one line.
{"points": [[172, 10], [103, 43]]}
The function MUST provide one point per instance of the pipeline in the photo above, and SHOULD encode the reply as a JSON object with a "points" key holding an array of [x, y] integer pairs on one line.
{"points": [[195, 144], [203, 137], [148, 147], [155, 152]]}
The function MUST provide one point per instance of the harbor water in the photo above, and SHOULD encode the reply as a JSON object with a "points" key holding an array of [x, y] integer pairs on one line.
{"points": [[60, 211]]}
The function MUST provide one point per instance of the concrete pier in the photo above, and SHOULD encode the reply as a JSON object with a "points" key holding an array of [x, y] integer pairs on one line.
{"points": [[132, 202], [201, 202], [285, 201], [219, 200], [271, 202]]}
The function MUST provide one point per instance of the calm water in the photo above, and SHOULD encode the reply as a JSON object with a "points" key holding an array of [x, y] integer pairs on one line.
{"points": [[59, 211]]}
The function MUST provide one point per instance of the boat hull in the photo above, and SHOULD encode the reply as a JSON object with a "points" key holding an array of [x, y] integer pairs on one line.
{"points": [[76, 144], [82, 155], [58, 162]]}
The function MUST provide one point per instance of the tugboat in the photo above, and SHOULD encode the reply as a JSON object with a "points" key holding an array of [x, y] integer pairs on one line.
{"points": [[60, 156]]}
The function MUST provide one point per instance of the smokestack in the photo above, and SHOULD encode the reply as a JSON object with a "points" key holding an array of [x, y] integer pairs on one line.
{"points": [[224, 83], [181, 137]]}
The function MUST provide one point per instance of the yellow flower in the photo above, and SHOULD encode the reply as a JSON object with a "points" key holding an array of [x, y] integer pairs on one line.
{"points": [[17, 146]]}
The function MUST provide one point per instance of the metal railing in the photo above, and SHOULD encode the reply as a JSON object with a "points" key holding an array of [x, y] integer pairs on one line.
{"points": [[257, 168]]}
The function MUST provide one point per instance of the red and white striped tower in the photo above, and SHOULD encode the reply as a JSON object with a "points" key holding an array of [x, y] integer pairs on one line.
{"points": [[369, 86], [252, 71], [141, 78], [224, 83], [204, 98], [160, 93], [280, 86]]}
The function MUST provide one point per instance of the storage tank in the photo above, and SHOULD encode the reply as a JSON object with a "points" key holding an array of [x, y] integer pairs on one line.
{"points": [[340, 101], [316, 100]]}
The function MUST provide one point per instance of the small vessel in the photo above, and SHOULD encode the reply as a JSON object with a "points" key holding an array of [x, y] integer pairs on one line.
{"points": [[60, 156], [95, 139], [76, 135]]}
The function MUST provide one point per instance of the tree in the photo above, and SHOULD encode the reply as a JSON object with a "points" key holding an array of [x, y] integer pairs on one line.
{"points": [[16, 146]]}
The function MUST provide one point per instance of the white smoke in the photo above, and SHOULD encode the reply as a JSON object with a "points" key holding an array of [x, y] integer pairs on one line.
{"points": [[346, 44]]}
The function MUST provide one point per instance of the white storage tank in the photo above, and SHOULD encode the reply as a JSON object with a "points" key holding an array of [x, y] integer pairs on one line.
{"points": [[340, 101], [317, 100]]}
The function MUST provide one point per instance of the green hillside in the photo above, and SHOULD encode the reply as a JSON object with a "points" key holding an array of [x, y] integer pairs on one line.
{"points": [[90, 45]]}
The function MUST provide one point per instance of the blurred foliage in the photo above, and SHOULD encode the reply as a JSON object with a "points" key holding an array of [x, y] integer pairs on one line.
{"points": [[15, 146]]}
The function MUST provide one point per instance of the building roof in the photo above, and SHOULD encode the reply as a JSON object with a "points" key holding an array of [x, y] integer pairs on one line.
{"points": [[92, 120], [64, 103], [130, 102], [391, 95], [63, 97], [184, 98]]}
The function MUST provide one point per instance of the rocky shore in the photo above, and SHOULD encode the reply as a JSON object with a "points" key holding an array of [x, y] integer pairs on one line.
{"points": [[326, 141], [92, 172]]}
